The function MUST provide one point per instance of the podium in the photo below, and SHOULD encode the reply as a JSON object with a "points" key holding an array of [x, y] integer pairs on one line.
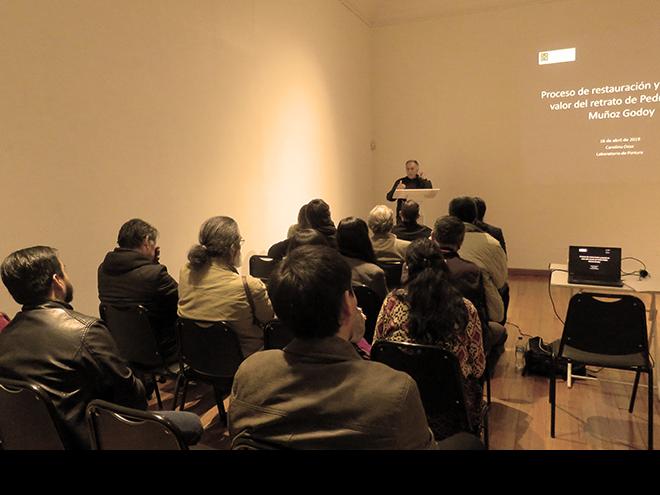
{"points": [[416, 195]]}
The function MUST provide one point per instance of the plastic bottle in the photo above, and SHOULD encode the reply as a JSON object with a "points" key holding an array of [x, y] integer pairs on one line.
{"points": [[520, 354]]}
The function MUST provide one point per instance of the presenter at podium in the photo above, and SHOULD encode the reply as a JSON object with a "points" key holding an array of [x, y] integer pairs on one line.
{"points": [[414, 179]]}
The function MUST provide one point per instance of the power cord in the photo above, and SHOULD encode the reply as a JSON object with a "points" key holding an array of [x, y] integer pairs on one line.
{"points": [[520, 332], [550, 293], [641, 273]]}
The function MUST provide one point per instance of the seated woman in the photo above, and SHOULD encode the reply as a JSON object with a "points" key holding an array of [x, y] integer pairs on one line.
{"points": [[314, 215], [355, 246], [306, 237], [428, 310], [211, 289], [386, 245]]}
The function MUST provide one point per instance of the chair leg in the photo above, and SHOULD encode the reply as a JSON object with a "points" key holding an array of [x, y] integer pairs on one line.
{"points": [[177, 388], [650, 382], [183, 394], [569, 375], [553, 391], [486, 436], [634, 392], [157, 392], [219, 400], [488, 389]]}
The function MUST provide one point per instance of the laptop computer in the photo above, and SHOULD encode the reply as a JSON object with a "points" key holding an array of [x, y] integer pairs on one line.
{"points": [[590, 265]]}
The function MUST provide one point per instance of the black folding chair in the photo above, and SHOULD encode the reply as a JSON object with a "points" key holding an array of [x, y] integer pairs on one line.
{"points": [[132, 331], [370, 303], [393, 270], [208, 352], [28, 420], [262, 266], [114, 427], [608, 331], [439, 380]]}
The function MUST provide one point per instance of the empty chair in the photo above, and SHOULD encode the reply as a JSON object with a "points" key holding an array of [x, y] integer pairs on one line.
{"points": [[440, 384], [132, 331], [392, 271], [209, 352], [370, 303], [114, 427], [608, 331], [262, 266], [28, 420], [276, 335]]}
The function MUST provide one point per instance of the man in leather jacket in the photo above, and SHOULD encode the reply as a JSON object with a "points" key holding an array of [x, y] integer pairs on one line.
{"points": [[71, 355]]}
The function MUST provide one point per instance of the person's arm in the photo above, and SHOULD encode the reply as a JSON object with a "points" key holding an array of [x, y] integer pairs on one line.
{"points": [[497, 265], [390, 194], [380, 283], [111, 370], [262, 306], [494, 304], [168, 293]]}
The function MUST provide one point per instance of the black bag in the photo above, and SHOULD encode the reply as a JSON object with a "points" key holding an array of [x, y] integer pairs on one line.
{"points": [[538, 360]]}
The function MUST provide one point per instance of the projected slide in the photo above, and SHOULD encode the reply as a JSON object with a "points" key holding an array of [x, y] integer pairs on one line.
{"points": [[591, 111]]}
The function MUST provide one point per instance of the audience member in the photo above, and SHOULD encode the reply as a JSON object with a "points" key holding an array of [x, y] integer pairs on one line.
{"points": [[466, 277], [485, 251], [302, 222], [408, 229], [429, 310], [70, 355], [304, 237], [315, 215], [131, 274], [386, 246], [355, 246], [318, 393], [496, 232], [211, 289]]}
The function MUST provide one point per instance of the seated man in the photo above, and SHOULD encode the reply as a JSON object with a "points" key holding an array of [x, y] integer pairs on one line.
{"points": [[408, 229], [449, 233], [496, 232], [386, 245], [318, 393], [485, 251], [132, 275], [72, 356]]}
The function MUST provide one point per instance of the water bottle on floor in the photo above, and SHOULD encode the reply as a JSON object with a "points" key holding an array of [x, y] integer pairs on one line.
{"points": [[520, 354]]}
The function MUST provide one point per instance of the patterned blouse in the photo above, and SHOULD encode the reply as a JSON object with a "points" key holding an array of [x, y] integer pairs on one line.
{"points": [[466, 344]]}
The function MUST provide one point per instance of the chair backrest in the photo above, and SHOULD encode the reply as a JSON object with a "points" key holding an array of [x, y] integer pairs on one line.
{"points": [[277, 335], [28, 420], [370, 303], [132, 331], [114, 427], [210, 349], [392, 271], [436, 372], [262, 266], [606, 324]]}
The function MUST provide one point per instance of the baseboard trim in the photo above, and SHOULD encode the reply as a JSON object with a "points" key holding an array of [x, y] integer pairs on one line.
{"points": [[528, 272]]}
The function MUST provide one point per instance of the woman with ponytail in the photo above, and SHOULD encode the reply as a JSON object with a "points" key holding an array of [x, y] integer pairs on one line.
{"points": [[211, 289], [428, 310]]}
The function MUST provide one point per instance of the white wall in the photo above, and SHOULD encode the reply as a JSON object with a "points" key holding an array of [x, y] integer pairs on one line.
{"points": [[454, 92], [173, 112]]}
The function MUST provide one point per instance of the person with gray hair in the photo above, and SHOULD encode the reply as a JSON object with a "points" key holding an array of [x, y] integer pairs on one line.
{"points": [[386, 245], [211, 289]]}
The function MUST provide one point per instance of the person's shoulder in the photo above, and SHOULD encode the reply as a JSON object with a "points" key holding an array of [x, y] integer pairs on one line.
{"points": [[254, 284], [260, 363]]}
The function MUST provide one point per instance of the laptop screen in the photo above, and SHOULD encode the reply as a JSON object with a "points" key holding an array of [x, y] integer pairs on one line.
{"points": [[594, 263]]}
